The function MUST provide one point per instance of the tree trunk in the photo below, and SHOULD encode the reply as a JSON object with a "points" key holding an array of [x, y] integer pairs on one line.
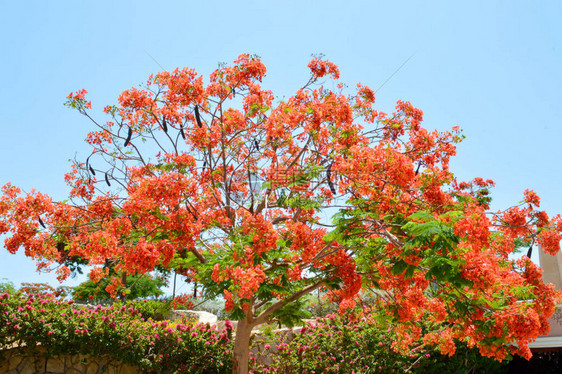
{"points": [[241, 353], [122, 295]]}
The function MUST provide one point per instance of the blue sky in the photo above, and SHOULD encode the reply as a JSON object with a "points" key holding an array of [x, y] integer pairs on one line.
{"points": [[491, 67]]}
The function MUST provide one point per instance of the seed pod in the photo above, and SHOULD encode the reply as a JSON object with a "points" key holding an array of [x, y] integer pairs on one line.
{"points": [[198, 116], [329, 178], [418, 168], [530, 251], [182, 133], [233, 92], [164, 126], [332, 188], [129, 135], [257, 145], [41, 223], [107, 179], [88, 167], [92, 170]]}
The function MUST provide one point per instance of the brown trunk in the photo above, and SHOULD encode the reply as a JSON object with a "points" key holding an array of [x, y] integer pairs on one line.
{"points": [[241, 353], [122, 296]]}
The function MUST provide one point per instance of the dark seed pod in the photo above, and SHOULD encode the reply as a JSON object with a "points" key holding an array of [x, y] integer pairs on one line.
{"points": [[88, 167], [418, 168], [190, 212], [129, 135], [329, 178], [233, 92], [257, 145], [164, 126], [198, 116], [107, 179], [92, 170], [41, 223], [182, 133], [332, 188], [530, 251]]}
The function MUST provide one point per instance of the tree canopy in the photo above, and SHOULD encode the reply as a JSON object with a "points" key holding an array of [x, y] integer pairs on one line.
{"points": [[221, 181], [136, 286]]}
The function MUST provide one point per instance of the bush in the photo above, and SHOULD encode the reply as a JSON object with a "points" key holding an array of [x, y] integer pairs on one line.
{"points": [[117, 331], [129, 333], [465, 360], [157, 310], [339, 345], [148, 309], [7, 286]]}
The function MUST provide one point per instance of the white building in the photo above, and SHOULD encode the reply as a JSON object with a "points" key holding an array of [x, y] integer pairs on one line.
{"points": [[552, 273]]}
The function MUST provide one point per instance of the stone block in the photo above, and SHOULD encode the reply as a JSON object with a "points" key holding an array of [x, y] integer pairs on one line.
{"points": [[193, 316]]}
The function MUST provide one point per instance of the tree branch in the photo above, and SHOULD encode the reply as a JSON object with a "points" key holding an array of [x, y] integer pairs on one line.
{"points": [[275, 307]]}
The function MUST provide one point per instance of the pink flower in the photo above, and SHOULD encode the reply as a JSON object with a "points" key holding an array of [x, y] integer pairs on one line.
{"points": [[228, 325]]}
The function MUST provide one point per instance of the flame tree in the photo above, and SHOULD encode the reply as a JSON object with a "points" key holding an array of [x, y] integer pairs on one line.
{"points": [[224, 183]]}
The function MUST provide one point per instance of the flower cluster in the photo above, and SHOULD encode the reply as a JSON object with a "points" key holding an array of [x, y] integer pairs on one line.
{"points": [[321, 68], [78, 100]]}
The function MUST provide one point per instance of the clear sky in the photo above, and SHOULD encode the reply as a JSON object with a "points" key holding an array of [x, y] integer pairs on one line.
{"points": [[491, 67]]}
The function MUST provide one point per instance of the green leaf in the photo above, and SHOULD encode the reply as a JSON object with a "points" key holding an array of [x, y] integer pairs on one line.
{"points": [[399, 267]]}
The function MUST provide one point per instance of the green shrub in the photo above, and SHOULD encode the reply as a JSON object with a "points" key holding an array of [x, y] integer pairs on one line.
{"points": [[154, 309], [465, 360], [338, 345], [118, 331], [7, 286]]}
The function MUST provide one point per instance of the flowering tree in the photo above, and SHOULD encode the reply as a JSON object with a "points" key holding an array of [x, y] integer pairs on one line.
{"points": [[220, 182]]}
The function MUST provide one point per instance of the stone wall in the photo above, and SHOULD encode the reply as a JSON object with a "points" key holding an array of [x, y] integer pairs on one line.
{"points": [[25, 361]]}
